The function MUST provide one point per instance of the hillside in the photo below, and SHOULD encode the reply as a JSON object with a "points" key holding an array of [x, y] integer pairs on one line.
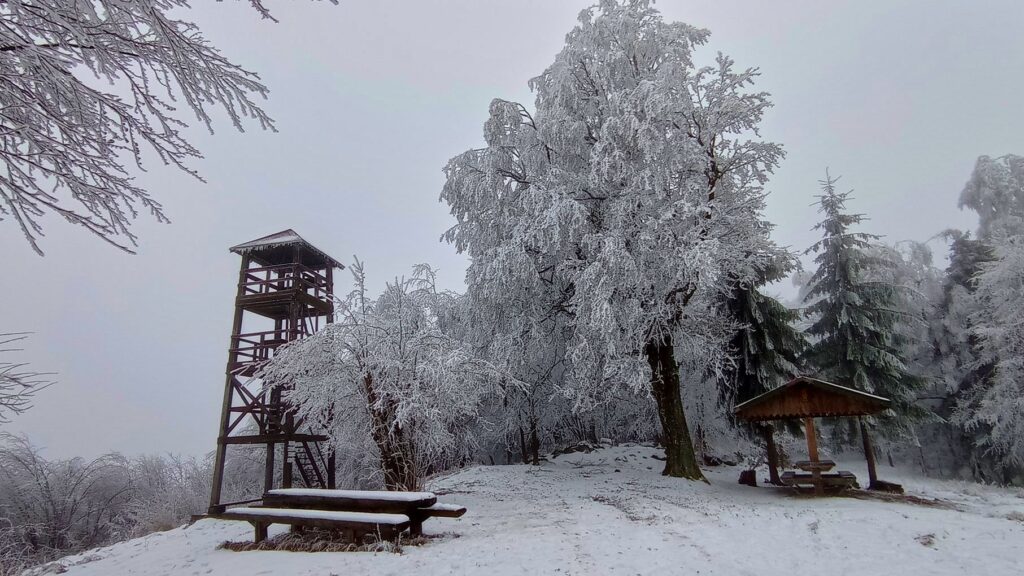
{"points": [[610, 512]]}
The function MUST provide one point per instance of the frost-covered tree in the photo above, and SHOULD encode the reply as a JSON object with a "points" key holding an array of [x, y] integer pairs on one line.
{"points": [[995, 191], [388, 382], [626, 205], [55, 506], [88, 84], [993, 412], [977, 326], [18, 384], [857, 312]]}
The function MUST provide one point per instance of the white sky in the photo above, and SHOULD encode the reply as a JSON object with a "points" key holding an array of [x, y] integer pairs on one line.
{"points": [[372, 99]]}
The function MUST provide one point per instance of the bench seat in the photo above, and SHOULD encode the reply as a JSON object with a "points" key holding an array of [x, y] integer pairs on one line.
{"points": [[841, 479], [444, 510], [439, 510], [358, 524]]}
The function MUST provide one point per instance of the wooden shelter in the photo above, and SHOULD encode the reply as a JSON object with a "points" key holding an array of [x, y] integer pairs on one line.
{"points": [[285, 286], [808, 398]]}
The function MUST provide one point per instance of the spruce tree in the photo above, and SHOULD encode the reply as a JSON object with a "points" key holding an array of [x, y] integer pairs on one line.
{"points": [[855, 314], [767, 347]]}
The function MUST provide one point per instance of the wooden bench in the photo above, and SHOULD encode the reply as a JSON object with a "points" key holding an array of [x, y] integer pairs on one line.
{"points": [[348, 500], [355, 524], [439, 510], [836, 480], [416, 506]]}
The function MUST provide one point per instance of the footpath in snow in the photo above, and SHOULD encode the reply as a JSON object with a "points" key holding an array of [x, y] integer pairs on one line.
{"points": [[611, 512]]}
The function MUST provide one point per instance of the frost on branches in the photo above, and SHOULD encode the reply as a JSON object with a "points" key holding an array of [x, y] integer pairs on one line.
{"points": [[63, 139], [996, 410], [628, 202], [18, 384], [996, 192], [988, 405], [388, 382]]}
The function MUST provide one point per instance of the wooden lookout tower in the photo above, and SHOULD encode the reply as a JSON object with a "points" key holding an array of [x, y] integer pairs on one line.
{"points": [[285, 292]]}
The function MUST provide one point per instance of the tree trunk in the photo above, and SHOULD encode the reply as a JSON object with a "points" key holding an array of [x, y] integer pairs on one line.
{"points": [[869, 454], [397, 456], [773, 455], [534, 442], [523, 447], [680, 460]]}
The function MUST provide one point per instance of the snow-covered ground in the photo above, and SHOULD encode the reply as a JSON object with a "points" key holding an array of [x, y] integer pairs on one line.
{"points": [[610, 512]]}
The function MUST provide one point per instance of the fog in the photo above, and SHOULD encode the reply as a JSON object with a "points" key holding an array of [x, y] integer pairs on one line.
{"points": [[372, 98]]}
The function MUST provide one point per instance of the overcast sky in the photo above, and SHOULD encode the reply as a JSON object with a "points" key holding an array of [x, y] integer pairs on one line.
{"points": [[372, 98]]}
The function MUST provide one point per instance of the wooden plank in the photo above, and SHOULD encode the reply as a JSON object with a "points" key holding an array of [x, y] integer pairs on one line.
{"points": [[276, 438], [442, 510], [354, 504], [264, 517]]}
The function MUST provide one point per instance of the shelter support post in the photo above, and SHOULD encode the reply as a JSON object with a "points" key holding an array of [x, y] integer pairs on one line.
{"points": [[869, 454], [812, 455], [768, 431]]}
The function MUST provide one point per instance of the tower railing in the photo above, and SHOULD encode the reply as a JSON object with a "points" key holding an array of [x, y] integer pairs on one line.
{"points": [[271, 279]]}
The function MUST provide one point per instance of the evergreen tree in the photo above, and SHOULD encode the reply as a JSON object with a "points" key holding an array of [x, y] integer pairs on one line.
{"points": [[767, 348], [856, 315], [979, 311], [992, 410]]}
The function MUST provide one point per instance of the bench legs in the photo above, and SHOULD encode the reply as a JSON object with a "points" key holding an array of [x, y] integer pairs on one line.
{"points": [[261, 531], [351, 534]]}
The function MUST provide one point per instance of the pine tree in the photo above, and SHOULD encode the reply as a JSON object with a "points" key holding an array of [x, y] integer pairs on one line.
{"points": [[856, 315]]}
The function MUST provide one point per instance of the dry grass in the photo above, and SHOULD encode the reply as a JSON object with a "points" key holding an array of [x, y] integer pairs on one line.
{"points": [[905, 498], [311, 540]]}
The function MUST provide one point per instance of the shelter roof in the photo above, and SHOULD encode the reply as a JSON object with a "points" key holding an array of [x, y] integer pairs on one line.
{"points": [[806, 397], [274, 249]]}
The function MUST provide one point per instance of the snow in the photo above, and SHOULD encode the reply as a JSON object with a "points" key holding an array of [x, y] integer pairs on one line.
{"points": [[445, 507], [610, 512], [282, 238], [323, 515], [375, 495]]}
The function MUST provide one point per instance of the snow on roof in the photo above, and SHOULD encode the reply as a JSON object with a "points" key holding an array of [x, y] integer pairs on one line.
{"points": [[366, 517], [282, 238], [287, 237], [355, 494]]}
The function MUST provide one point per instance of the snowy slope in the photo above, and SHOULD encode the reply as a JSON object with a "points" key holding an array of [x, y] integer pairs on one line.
{"points": [[610, 512]]}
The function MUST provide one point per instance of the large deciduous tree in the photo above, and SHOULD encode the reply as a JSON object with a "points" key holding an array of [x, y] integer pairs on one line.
{"points": [[86, 85], [624, 207]]}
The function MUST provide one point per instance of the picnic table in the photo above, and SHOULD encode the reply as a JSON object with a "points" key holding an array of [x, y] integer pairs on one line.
{"points": [[356, 512], [815, 475]]}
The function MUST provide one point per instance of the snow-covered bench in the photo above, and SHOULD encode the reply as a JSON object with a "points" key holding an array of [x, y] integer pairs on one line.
{"points": [[837, 480], [350, 500], [416, 506], [356, 524]]}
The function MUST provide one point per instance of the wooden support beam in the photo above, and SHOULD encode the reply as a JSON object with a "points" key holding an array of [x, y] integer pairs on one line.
{"points": [[869, 453], [812, 455]]}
